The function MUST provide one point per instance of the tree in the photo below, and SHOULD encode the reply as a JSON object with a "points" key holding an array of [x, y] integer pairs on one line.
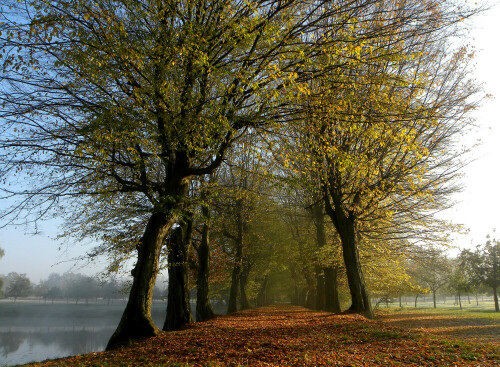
{"points": [[19, 285], [383, 146], [484, 265], [433, 270], [459, 282]]}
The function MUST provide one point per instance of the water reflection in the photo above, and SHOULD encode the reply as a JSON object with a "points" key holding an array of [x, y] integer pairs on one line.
{"points": [[22, 346], [34, 332]]}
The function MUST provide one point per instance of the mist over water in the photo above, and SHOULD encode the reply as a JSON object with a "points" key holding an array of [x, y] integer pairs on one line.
{"points": [[32, 331]]}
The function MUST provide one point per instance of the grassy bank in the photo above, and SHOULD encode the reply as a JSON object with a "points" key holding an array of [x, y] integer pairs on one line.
{"points": [[291, 336]]}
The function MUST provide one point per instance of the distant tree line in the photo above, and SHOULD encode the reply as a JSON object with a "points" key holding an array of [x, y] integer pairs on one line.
{"points": [[473, 272], [69, 287]]}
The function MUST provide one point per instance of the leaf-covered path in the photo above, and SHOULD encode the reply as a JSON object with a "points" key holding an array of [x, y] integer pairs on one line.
{"points": [[291, 336]]}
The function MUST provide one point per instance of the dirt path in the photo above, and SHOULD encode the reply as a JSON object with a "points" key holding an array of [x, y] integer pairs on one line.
{"points": [[471, 329]]}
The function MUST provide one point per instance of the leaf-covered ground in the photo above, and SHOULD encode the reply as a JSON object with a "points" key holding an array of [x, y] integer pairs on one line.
{"points": [[291, 336]]}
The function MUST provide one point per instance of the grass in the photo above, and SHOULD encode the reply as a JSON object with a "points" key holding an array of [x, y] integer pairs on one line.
{"points": [[466, 312], [468, 324]]}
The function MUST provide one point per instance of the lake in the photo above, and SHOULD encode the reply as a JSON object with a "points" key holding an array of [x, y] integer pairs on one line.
{"points": [[33, 331]]}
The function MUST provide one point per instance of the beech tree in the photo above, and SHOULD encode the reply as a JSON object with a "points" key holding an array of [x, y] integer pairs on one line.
{"points": [[380, 132]]}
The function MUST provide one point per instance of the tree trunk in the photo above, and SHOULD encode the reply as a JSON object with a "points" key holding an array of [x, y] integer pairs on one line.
{"points": [[400, 304], [178, 307], [262, 296], [296, 294], [318, 219], [136, 320], [416, 297], [495, 297], [434, 297], [244, 304], [332, 303], [459, 301], [346, 227], [310, 294], [204, 310], [233, 291], [235, 277], [320, 290]]}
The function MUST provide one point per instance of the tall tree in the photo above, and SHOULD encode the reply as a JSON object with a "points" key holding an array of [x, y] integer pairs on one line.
{"points": [[381, 132]]}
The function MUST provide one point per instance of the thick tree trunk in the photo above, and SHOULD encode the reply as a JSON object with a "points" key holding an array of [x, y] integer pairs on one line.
{"points": [[204, 310], [416, 297], [136, 320], [434, 298], [178, 307], [320, 290], [244, 304], [359, 295], [332, 303], [235, 282], [346, 227]]}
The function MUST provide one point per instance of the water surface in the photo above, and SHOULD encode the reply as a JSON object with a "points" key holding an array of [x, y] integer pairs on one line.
{"points": [[32, 331]]}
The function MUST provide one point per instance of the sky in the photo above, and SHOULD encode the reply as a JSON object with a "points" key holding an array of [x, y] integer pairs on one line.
{"points": [[477, 206]]}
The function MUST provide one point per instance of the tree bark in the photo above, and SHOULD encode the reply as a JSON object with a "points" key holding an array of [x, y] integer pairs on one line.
{"points": [[235, 277], [244, 304], [320, 290], [178, 307], [262, 296], [235, 282], [136, 320], [434, 297], [204, 310], [346, 227], [332, 303]]}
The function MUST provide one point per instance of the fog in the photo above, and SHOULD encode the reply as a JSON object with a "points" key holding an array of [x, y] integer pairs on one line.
{"points": [[33, 330]]}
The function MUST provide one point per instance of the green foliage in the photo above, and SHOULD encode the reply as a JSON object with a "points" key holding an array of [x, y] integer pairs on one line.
{"points": [[483, 265]]}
